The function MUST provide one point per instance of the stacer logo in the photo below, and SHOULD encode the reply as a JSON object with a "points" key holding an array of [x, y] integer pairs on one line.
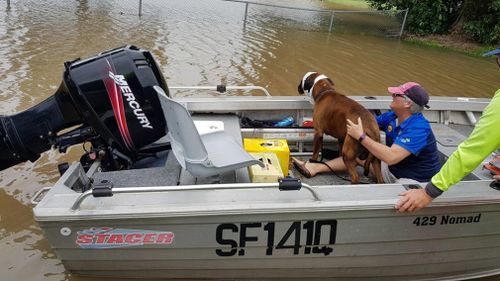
{"points": [[106, 237]]}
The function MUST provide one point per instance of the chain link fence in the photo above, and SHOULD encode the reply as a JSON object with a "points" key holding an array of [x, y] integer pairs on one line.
{"points": [[389, 23], [312, 18]]}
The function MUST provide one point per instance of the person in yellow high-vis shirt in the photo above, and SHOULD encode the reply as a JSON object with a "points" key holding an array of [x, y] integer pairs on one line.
{"points": [[484, 139]]}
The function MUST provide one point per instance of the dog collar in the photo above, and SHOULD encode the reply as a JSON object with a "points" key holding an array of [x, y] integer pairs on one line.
{"points": [[321, 94], [320, 77]]}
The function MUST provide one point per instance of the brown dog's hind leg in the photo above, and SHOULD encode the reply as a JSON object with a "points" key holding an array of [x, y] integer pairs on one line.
{"points": [[376, 168], [351, 168], [349, 156]]}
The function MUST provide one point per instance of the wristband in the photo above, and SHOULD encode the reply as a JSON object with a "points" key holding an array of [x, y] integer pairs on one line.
{"points": [[362, 137], [432, 190]]}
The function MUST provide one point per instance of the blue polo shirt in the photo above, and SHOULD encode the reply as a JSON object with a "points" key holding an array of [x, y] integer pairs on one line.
{"points": [[416, 136]]}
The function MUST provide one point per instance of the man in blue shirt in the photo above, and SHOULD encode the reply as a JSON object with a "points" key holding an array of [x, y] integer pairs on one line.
{"points": [[411, 153]]}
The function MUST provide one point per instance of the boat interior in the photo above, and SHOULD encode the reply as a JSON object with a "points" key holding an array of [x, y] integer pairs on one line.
{"points": [[161, 184], [164, 168]]}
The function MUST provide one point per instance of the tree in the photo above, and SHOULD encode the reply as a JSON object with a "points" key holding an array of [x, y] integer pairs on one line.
{"points": [[478, 20]]}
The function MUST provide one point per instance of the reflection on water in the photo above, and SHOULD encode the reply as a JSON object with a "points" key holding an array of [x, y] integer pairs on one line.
{"points": [[195, 43]]}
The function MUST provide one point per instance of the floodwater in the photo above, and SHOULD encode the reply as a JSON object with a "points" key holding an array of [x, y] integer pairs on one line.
{"points": [[196, 42]]}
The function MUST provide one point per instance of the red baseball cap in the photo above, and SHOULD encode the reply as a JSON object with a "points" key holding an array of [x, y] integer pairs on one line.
{"points": [[413, 91]]}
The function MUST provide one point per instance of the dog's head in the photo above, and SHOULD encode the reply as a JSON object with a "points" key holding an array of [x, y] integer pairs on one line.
{"points": [[308, 82]]}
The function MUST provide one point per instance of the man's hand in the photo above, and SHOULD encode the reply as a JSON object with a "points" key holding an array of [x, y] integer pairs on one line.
{"points": [[413, 200], [496, 177], [355, 130]]}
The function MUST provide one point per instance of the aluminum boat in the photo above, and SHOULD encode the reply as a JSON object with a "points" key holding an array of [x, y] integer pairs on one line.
{"points": [[156, 220]]}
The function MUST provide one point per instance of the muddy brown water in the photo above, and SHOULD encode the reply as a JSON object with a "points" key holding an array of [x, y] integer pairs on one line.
{"points": [[196, 43]]}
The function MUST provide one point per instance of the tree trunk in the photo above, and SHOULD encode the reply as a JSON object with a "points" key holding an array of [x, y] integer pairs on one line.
{"points": [[456, 27]]}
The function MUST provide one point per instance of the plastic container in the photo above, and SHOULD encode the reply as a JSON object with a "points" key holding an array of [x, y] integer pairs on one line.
{"points": [[285, 122], [277, 146], [308, 124], [271, 172]]}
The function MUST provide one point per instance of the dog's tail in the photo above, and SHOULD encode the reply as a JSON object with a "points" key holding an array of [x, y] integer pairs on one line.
{"points": [[368, 161]]}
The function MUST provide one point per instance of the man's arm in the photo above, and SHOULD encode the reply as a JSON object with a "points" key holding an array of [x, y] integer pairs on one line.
{"points": [[483, 140], [390, 155]]}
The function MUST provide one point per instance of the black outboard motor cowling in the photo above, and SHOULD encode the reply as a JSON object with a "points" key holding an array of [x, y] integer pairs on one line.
{"points": [[112, 93]]}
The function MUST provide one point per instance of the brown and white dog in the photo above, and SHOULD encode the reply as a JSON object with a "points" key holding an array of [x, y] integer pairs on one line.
{"points": [[331, 110]]}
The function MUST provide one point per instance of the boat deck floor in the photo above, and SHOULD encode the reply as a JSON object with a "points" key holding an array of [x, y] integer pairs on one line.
{"points": [[171, 175], [166, 171], [329, 178]]}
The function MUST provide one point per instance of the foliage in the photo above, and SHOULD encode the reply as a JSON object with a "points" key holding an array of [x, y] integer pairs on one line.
{"points": [[478, 20], [483, 22]]}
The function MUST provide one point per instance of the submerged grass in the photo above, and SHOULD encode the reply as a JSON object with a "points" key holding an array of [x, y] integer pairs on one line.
{"points": [[353, 4], [450, 42]]}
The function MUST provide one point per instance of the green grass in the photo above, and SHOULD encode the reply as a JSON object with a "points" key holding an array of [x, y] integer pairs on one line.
{"points": [[477, 51], [355, 4]]}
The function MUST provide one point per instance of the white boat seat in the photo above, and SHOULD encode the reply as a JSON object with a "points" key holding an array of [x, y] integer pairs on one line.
{"points": [[201, 155]]}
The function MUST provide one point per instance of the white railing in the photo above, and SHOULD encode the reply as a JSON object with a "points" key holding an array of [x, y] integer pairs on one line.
{"points": [[222, 88]]}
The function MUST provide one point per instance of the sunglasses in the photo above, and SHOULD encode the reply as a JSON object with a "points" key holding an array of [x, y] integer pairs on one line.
{"points": [[399, 95]]}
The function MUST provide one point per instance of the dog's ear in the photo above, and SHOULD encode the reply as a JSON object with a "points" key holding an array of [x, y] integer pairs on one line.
{"points": [[299, 89], [309, 81], [330, 80]]}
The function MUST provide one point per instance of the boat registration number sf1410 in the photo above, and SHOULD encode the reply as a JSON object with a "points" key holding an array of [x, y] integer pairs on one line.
{"points": [[297, 237]]}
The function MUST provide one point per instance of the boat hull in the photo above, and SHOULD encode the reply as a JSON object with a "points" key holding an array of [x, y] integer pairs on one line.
{"points": [[295, 237]]}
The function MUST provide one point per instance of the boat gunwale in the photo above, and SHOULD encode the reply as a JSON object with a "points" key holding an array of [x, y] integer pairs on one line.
{"points": [[461, 195]]}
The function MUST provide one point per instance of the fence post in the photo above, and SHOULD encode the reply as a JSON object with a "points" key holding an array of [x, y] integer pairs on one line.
{"points": [[140, 8], [331, 21], [404, 22], [246, 12], [8, 4]]}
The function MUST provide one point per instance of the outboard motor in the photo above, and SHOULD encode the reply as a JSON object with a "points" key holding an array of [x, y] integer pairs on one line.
{"points": [[107, 100]]}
